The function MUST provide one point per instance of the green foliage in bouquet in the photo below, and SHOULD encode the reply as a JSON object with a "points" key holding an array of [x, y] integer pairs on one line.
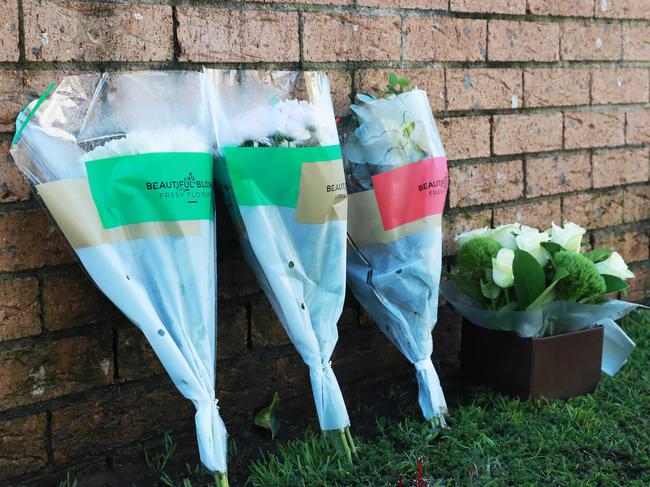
{"points": [[582, 283], [477, 255]]}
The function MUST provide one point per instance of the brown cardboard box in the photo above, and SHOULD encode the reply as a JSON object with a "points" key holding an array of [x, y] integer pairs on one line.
{"points": [[554, 367]]}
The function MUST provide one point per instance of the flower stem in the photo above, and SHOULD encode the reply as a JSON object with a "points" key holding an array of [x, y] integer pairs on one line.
{"points": [[438, 422], [341, 439], [221, 479]]}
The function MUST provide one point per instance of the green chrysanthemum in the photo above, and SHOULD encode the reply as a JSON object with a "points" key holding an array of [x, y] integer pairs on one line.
{"points": [[476, 255], [583, 280]]}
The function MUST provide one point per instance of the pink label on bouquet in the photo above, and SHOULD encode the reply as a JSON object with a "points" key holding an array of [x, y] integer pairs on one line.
{"points": [[411, 192]]}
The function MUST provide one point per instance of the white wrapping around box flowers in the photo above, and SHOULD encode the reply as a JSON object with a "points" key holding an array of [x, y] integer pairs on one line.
{"points": [[281, 173], [397, 179], [123, 164]]}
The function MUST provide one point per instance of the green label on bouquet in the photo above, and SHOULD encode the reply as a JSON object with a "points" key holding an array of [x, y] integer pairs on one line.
{"points": [[155, 187], [271, 175]]}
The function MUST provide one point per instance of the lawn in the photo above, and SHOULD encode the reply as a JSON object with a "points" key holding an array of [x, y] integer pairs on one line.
{"points": [[600, 439]]}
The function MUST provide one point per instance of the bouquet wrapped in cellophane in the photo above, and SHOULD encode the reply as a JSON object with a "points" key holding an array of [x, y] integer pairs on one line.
{"points": [[397, 182], [281, 172], [123, 163], [540, 284]]}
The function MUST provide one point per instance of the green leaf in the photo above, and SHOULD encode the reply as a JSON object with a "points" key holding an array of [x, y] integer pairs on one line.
{"points": [[403, 82], [552, 247], [599, 255], [614, 284], [392, 79], [511, 306], [265, 417], [472, 289], [548, 295], [530, 281], [490, 290], [408, 130]]}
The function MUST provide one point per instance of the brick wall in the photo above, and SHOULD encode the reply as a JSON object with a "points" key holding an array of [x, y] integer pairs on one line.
{"points": [[543, 106]]}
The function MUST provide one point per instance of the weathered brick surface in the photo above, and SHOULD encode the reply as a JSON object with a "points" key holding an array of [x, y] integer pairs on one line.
{"points": [[623, 9], [247, 35], [635, 42], [351, 37], [10, 99], [624, 85], [266, 329], [373, 81], [523, 41], [637, 204], [476, 89], [490, 6], [538, 214], [341, 90], [444, 39], [485, 183], [614, 167], [9, 30], [594, 210], [93, 31], [464, 222], [632, 244], [574, 8], [20, 309], [135, 357], [30, 239], [639, 286], [593, 129], [465, 137], [590, 42], [558, 174], [421, 4], [22, 445], [556, 87], [31, 374], [13, 185], [515, 134], [232, 327], [638, 127]]}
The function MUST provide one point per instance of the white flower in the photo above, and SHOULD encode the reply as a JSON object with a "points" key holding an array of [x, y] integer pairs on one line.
{"points": [[569, 237], [502, 268], [504, 235], [614, 265], [465, 237], [529, 240]]}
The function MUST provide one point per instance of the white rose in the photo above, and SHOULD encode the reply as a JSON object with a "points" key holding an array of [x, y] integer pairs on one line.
{"points": [[569, 237], [463, 238], [614, 265], [502, 268], [529, 240], [504, 235]]}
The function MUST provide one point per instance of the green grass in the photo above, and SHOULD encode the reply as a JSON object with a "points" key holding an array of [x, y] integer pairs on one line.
{"points": [[599, 439]]}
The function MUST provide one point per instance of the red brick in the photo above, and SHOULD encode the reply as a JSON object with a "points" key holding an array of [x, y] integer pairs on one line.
{"points": [[593, 129], [559, 174], [636, 46], [9, 30], [37, 373], [444, 39], [313, 2], [590, 41], [514, 134], [431, 80], [463, 222], [556, 87], [71, 300], [637, 204], [594, 210], [490, 6], [22, 444], [615, 167], [465, 137], [11, 101], [85, 429], [572, 8], [538, 214], [236, 278], [350, 37], [483, 89], [94, 31], [631, 244], [13, 185], [622, 85], [30, 239], [20, 310], [485, 183], [523, 41], [639, 285], [638, 127], [232, 327], [135, 357], [420, 4], [266, 329], [241, 36], [623, 9], [341, 90]]}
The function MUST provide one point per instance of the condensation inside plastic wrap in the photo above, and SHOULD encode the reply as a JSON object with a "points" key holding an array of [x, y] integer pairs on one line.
{"points": [[161, 276], [300, 266], [397, 281], [551, 319]]}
